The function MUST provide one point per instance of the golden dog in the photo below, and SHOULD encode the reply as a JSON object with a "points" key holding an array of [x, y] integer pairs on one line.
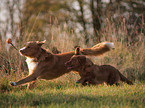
{"points": [[94, 74], [46, 65]]}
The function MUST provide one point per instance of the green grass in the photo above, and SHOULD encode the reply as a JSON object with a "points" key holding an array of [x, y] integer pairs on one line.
{"points": [[56, 94], [128, 57]]}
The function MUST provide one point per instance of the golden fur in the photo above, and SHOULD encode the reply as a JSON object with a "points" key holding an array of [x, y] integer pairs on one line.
{"points": [[45, 65], [94, 74]]}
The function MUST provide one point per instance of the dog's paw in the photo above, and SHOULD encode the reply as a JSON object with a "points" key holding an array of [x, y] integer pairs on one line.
{"points": [[13, 83]]}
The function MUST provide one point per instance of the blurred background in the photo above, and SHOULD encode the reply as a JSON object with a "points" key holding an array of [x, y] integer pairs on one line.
{"points": [[69, 23]]}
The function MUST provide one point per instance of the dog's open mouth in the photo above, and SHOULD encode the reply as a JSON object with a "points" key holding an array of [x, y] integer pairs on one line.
{"points": [[70, 67]]}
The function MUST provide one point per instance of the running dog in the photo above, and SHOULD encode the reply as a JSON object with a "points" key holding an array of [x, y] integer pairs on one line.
{"points": [[46, 65], [94, 74]]}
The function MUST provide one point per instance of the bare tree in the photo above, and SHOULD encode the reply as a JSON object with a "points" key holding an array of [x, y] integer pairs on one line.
{"points": [[82, 20], [10, 6], [96, 10], [19, 5]]}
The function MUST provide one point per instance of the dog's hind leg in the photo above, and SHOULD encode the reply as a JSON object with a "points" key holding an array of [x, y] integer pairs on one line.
{"points": [[117, 84], [31, 85], [93, 82]]}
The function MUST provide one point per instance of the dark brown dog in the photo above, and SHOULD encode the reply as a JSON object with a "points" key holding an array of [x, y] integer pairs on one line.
{"points": [[45, 65], [94, 74]]}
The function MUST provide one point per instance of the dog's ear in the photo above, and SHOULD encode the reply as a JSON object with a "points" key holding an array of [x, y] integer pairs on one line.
{"points": [[41, 43], [77, 51]]}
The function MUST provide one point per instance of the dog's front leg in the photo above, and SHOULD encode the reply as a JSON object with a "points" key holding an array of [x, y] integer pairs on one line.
{"points": [[82, 81], [27, 79], [31, 84]]}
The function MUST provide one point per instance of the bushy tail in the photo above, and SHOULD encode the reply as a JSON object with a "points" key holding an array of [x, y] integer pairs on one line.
{"points": [[124, 79], [98, 49]]}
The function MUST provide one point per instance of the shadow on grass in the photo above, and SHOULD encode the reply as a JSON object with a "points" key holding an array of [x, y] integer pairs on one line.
{"points": [[33, 99]]}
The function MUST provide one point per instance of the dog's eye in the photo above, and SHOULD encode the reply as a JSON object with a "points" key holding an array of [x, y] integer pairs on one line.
{"points": [[28, 46]]}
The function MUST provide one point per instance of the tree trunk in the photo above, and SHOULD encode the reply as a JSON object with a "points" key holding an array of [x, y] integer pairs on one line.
{"points": [[82, 19], [96, 17]]}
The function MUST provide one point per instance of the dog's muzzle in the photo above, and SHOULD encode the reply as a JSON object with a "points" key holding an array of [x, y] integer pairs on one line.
{"points": [[21, 51]]}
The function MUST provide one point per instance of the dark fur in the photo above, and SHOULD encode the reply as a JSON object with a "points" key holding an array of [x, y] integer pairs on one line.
{"points": [[94, 74]]}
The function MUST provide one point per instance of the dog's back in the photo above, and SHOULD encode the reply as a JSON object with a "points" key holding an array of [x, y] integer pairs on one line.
{"points": [[105, 73]]}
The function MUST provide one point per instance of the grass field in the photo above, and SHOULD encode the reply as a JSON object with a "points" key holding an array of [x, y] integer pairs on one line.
{"points": [[58, 94], [63, 92]]}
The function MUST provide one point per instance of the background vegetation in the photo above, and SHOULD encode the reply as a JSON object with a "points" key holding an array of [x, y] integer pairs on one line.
{"points": [[65, 24]]}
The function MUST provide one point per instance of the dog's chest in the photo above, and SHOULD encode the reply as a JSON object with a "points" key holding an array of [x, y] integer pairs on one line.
{"points": [[31, 64]]}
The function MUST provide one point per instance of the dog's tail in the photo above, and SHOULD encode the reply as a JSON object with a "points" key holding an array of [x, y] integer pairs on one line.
{"points": [[124, 79], [98, 49]]}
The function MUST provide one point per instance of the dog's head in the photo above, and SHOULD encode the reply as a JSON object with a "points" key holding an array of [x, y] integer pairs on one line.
{"points": [[76, 60], [32, 49]]}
